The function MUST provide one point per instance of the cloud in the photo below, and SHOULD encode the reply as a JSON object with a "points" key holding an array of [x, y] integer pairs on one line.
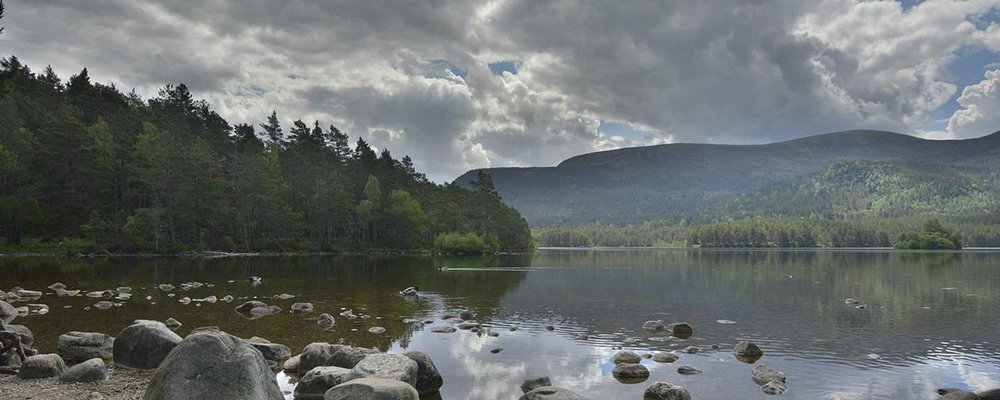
{"points": [[422, 79], [980, 104]]}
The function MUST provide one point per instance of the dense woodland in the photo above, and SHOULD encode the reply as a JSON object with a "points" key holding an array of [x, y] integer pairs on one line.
{"points": [[83, 163]]}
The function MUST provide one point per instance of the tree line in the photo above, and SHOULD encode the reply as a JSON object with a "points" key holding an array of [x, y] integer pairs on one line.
{"points": [[84, 162]]}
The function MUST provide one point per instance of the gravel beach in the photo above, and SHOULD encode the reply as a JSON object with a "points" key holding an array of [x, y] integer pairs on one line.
{"points": [[121, 385]]}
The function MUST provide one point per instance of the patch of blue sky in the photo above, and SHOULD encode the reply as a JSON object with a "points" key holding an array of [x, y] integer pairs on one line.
{"points": [[451, 66], [625, 130], [499, 67]]}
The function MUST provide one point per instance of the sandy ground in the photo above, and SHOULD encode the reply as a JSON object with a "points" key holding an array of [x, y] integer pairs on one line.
{"points": [[122, 384]]}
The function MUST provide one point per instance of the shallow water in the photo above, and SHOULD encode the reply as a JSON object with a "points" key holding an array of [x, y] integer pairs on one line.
{"points": [[932, 318]]}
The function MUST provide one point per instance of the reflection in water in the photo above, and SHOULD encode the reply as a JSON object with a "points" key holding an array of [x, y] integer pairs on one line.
{"points": [[914, 335]]}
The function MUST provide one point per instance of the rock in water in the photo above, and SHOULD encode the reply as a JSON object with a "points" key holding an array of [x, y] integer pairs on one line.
{"points": [[626, 357], [429, 380], [443, 329], [747, 352], [688, 370], [774, 388], [630, 373], [172, 323], [535, 382], [83, 346], [551, 393], [762, 374], [274, 353], [315, 355], [211, 364], [666, 391], [372, 389], [386, 366], [376, 330], [92, 370], [319, 380], [681, 330], [291, 364], [325, 321], [664, 357], [654, 326], [144, 344], [302, 308], [42, 366]]}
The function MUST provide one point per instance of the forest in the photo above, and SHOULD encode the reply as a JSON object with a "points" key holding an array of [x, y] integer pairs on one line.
{"points": [[88, 167]]}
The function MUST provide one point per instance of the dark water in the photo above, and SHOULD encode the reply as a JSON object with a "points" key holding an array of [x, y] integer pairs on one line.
{"points": [[933, 319]]}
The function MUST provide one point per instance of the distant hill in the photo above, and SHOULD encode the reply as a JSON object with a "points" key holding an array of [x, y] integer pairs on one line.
{"points": [[895, 175]]}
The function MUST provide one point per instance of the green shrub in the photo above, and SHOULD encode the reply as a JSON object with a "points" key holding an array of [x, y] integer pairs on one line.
{"points": [[458, 243]]}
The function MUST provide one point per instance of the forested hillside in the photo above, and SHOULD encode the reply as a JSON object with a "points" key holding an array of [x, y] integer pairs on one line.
{"points": [[84, 163]]}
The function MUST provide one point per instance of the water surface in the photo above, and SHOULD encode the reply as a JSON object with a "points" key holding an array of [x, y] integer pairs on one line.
{"points": [[932, 318]]}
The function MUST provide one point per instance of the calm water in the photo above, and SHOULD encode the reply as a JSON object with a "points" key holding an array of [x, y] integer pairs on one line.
{"points": [[933, 317]]}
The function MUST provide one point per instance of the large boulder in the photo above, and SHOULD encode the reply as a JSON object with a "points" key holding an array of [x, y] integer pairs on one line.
{"points": [[7, 312], [666, 391], [372, 389], [144, 344], [27, 338], [92, 370], [211, 364], [386, 366], [429, 380], [319, 380], [81, 346], [349, 356], [42, 366], [552, 393], [315, 355]]}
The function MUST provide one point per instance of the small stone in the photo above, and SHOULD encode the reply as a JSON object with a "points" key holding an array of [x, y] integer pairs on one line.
{"points": [[376, 330], [103, 305], [690, 350], [443, 329], [496, 350], [172, 323], [688, 370], [654, 326], [664, 357]]}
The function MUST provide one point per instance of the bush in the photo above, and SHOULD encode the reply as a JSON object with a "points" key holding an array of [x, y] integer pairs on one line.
{"points": [[457, 243], [933, 237]]}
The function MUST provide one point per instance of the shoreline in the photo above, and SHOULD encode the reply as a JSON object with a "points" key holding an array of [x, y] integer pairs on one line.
{"points": [[223, 254], [122, 384]]}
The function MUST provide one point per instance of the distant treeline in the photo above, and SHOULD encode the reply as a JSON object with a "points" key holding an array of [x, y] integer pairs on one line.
{"points": [[85, 164], [764, 232]]}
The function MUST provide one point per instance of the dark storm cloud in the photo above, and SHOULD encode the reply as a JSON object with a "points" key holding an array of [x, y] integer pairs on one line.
{"points": [[415, 76]]}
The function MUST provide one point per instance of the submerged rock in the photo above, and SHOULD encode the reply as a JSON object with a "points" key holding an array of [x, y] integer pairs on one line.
{"points": [[172, 323], [103, 305], [762, 374], [144, 344], [666, 391], [774, 388], [443, 329], [302, 308], [372, 389], [654, 326], [376, 330], [325, 321], [211, 364], [82, 346]]}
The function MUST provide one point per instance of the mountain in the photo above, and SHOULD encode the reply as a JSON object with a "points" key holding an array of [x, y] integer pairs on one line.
{"points": [[646, 183]]}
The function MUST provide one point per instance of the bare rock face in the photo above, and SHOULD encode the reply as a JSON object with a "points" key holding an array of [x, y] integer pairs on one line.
{"points": [[211, 364]]}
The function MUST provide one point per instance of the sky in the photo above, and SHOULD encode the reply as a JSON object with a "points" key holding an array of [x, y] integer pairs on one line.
{"points": [[464, 84]]}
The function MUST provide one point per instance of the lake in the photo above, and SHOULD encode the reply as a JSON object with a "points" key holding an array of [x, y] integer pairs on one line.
{"points": [[932, 318]]}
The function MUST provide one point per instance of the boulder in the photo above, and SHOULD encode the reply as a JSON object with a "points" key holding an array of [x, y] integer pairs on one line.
{"points": [[274, 353], [429, 380], [681, 330], [211, 364], [664, 357], [386, 366], [319, 380], [349, 356], [666, 391], [315, 355], [535, 382], [747, 352], [762, 374], [42, 366], [82, 346], [7, 312], [291, 364], [688, 370], [551, 393], [27, 338], [626, 357], [144, 344], [372, 389], [630, 373], [92, 370]]}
